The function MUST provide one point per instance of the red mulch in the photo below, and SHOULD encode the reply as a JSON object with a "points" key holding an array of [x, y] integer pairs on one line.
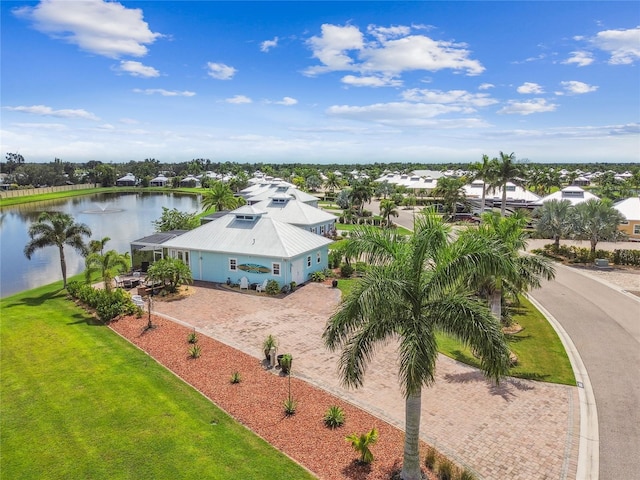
{"points": [[257, 402]]}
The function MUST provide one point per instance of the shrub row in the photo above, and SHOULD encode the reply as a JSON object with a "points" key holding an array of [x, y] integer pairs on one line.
{"points": [[108, 305], [583, 255]]}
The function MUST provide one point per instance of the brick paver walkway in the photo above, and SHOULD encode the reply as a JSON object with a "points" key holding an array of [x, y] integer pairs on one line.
{"points": [[518, 430]]}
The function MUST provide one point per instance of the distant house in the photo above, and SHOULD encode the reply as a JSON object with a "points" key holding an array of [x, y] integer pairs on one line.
{"points": [[247, 242], [285, 208], [630, 209], [159, 181], [281, 188], [572, 193], [190, 181], [129, 180]]}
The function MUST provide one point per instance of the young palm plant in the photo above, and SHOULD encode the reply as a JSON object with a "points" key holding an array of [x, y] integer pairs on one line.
{"points": [[362, 442], [108, 265], [413, 289]]}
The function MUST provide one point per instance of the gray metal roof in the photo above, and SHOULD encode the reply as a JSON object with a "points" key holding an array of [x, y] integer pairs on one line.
{"points": [[158, 238], [289, 210], [263, 236], [294, 192]]}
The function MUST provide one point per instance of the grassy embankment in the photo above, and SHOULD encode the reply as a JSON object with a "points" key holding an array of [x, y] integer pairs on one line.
{"points": [[80, 402]]}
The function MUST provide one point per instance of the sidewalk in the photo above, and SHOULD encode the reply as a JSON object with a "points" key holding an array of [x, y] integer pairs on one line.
{"points": [[518, 430]]}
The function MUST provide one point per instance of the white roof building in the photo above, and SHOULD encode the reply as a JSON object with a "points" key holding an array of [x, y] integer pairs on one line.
{"points": [[285, 208], [629, 208], [281, 188], [515, 193], [572, 193]]}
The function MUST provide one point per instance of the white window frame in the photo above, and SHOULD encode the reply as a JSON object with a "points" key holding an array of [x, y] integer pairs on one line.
{"points": [[233, 264], [275, 269], [322, 229], [318, 257], [636, 229], [308, 261]]}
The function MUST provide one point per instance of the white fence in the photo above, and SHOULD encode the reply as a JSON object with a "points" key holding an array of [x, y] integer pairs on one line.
{"points": [[40, 191]]}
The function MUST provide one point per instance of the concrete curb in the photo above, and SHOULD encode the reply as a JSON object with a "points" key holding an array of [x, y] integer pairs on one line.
{"points": [[589, 447]]}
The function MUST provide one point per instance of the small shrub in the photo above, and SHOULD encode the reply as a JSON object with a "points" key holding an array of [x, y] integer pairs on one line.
{"points": [[195, 351], [235, 377], [292, 285], [346, 270], [273, 287], [318, 276], [362, 442], [430, 458], [467, 475], [290, 406], [285, 363], [192, 337], [334, 417], [445, 469]]}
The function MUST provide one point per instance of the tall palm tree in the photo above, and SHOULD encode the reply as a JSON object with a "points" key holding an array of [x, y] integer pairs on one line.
{"points": [[97, 246], [57, 229], [388, 209], [332, 182], [451, 191], [484, 171], [108, 265], [220, 197], [596, 220], [553, 219], [361, 193], [414, 288], [504, 170], [526, 270]]}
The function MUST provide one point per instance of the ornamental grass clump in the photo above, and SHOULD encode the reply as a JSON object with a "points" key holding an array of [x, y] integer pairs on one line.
{"points": [[334, 417], [195, 351]]}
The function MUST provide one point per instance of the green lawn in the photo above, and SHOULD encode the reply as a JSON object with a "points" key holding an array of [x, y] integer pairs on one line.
{"points": [[540, 352], [79, 402]]}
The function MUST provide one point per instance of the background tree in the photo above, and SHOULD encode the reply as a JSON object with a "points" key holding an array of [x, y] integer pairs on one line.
{"points": [[332, 182], [361, 192], [414, 288], [57, 230], [503, 171], [553, 220], [219, 197], [171, 273], [108, 265], [313, 183], [384, 189], [450, 190], [483, 171], [388, 209], [239, 182], [173, 219], [596, 220]]}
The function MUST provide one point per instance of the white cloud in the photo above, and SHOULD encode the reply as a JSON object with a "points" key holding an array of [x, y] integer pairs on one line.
{"points": [[129, 121], [45, 111], [536, 105], [623, 45], [486, 86], [239, 99], [395, 113], [268, 44], [580, 58], [574, 87], [100, 27], [461, 98], [220, 71], [389, 51], [137, 69], [41, 126], [371, 81], [287, 101], [165, 93], [530, 88]]}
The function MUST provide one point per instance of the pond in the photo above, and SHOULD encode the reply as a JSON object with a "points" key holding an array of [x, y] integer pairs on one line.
{"points": [[123, 217]]}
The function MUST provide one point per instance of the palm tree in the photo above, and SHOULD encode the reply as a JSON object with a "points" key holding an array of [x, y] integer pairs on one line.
{"points": [[451, 192], [171, 272], [220, 197], [108, 264], [57, 229], [504, 170], [97, 246], [526, 271], [553, 219], [483, 171], [332, 182], [360, 194], [414, 288], [387, 210], [596, 220]]}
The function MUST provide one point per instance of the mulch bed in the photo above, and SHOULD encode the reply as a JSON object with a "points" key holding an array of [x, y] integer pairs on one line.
{"points": [[257, 402]]}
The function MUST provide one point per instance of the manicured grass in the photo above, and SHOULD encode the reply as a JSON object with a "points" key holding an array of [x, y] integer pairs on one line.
{"points": [[80, 402], [541, 355]]}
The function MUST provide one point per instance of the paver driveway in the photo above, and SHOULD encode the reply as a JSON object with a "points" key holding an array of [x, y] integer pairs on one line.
{"points": [[518, 430]]}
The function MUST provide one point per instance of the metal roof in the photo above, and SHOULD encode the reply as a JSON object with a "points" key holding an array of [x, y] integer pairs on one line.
{"points": [[289, 210], [262, 236]]}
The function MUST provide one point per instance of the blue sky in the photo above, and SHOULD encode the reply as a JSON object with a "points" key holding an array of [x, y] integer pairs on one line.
{"points": [[320, 82]]}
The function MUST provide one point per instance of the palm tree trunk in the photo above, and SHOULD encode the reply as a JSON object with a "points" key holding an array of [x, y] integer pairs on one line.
{"points": [[495, 300], [503, 207], [63, 266], [411, 463], [483, 202]]}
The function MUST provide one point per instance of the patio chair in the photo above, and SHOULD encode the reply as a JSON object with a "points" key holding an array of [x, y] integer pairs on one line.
{"points": [[119, 282], [244, 283], [261, 287]]}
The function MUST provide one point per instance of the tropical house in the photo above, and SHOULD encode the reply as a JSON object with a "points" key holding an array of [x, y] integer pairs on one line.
{"points": [[630, 209], [129, 180], [517, 196], [190, 181], [281, 188], [159, 181], [285, 208], [573, 193], [149, 249], [248, 242]]}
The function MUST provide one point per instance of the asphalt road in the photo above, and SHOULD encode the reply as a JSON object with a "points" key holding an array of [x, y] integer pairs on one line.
{"points": [[604, 326]]}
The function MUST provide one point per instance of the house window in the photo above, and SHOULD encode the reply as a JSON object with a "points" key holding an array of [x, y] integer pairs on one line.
{"points": [[636, 229], [321, 229], [233, 264], [275, 268], [318, 257], [182, 255], [309, 261]]}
